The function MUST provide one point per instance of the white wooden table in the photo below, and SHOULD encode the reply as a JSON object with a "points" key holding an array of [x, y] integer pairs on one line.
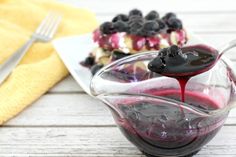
{"points": [[68, 122]]}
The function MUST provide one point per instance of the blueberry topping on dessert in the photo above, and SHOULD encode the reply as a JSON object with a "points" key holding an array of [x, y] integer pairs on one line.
{"points": [[120, 17], [118, 55], [89, 61], [135, 12], [107, 28], [135, 20], [168, 16], [135, 26], [161, 24], [121, 26], [134, 32], [152, 15], [95, 68], [150, 28], [137, 31], [174, 23]]}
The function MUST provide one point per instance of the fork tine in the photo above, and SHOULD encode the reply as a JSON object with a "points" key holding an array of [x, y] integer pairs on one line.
{"points": [[47, 25], [43, 23], [55, 27], [52, 25]]}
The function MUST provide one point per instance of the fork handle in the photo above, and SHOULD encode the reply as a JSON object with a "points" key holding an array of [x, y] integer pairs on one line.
{"points": [[7, 67]]}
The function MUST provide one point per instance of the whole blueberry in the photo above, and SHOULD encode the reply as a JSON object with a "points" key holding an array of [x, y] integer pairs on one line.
{"points": [[163, 52], [177, 60], [150, 28], [173, 51], [174, 23], [120, 17], [121, 26], [152, 15], [151, 25], [136, 25], [161, 24], [107, 28], [89, 61], [136, 12], [175, 55], [156, 65], [168, 16], [135, 19], [118, 55], [134, 28]]}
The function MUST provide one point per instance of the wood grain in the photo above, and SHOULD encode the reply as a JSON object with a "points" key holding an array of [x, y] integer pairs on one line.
{"points": [[72, 110], [64, 110], [91, 142], [66, 85]]}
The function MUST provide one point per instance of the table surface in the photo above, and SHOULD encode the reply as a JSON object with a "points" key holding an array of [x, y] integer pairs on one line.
{"points": [[68, 122]]}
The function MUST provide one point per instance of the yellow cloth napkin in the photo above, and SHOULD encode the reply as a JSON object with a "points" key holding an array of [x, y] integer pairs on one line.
{"points": [[41, 68]]}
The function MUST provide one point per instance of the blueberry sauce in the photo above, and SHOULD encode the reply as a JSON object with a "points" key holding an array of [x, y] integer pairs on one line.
{"points": [[157, 128]]}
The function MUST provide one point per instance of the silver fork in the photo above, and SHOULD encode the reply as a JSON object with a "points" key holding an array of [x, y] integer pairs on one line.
{"points": [[43, 33]]}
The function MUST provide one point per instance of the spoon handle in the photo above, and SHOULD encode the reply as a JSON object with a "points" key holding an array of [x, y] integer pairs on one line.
{"points": [[227, 47]]}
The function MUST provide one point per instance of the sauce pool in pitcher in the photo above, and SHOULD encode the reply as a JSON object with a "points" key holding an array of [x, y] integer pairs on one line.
{"points": [[159, 128]]}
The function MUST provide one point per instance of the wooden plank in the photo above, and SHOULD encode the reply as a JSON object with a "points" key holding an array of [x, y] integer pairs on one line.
{"points": [[92, 142], [64, 110], [108, 6], [67, 85], [71, 110]]}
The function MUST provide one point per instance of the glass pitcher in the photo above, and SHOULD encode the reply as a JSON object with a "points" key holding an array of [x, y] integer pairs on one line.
{"points": [[147, 107]]}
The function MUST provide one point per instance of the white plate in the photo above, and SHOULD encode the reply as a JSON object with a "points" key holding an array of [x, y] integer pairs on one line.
{"points": [[72, 51], [75, 49]]}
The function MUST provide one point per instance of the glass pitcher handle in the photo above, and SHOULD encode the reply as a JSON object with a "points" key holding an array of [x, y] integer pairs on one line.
{"points": [[231, 66]]}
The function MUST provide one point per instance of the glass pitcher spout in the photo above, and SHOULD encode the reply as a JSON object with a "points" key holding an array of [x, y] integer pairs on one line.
{"points": [[113, 100], [131, 75]]}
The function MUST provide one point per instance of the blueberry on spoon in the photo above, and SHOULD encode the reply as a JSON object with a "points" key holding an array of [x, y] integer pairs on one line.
{"points": [[186, 61], [175, 56], [157, 65]]}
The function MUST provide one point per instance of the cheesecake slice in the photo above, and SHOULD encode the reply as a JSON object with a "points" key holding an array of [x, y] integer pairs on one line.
{"points": [[134, 33]]}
